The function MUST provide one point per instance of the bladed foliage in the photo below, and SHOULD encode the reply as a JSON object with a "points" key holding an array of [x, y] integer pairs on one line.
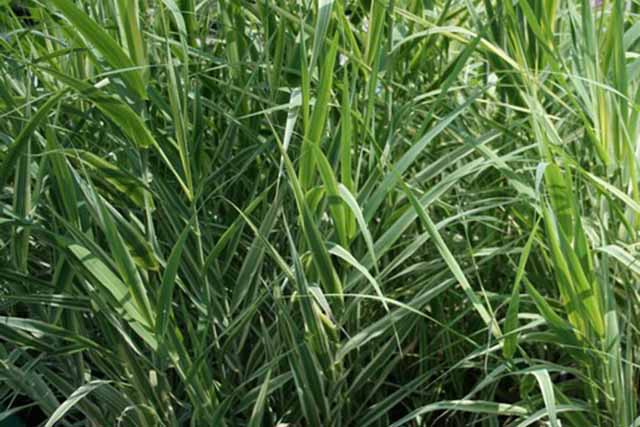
{"points": [[319, 213]]}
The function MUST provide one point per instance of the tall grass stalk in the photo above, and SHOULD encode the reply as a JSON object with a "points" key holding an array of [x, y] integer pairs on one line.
{"points": [[319, 213]]}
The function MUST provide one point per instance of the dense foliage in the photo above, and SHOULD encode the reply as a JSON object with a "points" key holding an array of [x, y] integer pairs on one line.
{"points": [[320, 213]]}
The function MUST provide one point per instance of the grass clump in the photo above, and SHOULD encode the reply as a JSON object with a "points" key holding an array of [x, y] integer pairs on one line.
{"points": [[373, 213]]}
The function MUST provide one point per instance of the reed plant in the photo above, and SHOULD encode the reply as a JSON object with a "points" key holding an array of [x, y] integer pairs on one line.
{"points": [[320, 213]]}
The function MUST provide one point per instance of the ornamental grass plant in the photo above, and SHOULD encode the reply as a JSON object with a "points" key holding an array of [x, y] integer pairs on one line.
{"points": [[320, 213]]}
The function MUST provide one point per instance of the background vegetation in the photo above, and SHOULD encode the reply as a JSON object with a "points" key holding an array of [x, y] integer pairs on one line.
{"points": [[320, 213]]}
